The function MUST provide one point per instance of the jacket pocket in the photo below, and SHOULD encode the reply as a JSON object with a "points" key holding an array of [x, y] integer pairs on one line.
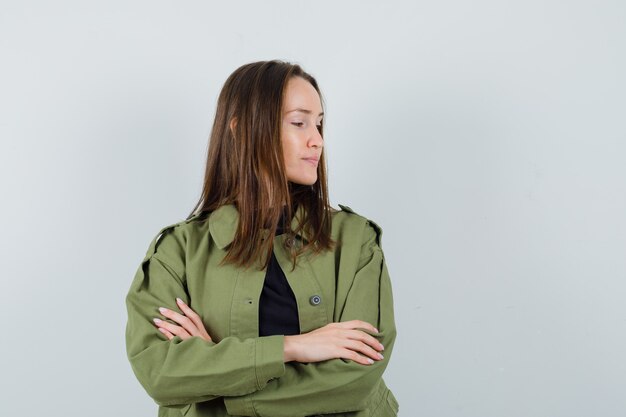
{"points": [[392, 403], [174, 411], [186, 409]]}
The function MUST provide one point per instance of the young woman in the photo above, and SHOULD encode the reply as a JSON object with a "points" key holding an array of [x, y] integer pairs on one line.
{"points": [[265, 301]]}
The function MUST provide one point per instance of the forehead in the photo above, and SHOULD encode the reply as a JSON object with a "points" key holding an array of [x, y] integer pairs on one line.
{"points": [[300, 94]]}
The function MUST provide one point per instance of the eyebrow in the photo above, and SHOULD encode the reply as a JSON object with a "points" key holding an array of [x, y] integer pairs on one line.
{"points": [[304, 111]]}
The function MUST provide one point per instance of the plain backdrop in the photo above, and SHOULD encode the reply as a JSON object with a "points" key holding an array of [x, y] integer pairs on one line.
{"points": [[486, 138]]}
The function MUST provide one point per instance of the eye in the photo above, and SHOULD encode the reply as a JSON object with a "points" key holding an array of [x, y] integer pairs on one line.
{"points": [[297, 124]]}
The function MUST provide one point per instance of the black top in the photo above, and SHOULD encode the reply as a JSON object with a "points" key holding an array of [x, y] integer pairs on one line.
{"points": [[278, 311]]}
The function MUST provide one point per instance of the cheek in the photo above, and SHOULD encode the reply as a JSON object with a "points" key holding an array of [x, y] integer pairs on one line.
{"points": [[289, 151]]}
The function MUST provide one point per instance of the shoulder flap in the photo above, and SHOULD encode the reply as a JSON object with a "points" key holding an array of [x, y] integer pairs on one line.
{"points": [[377, 228], [346, 208], [164, 230], [195, 216]]}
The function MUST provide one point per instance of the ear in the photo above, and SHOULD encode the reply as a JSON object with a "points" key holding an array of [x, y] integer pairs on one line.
{"points": [[233, 125]]}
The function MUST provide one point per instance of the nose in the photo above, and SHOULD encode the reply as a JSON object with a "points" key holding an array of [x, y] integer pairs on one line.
{"points": [[316, 138]]}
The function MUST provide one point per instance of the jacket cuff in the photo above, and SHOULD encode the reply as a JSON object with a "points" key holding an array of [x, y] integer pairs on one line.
{"points": [[269, 364], [269, 358]]}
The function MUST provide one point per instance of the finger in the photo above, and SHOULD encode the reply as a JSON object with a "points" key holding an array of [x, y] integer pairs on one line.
{"points": [[166, 333], [354, 324], [184, 321], [193, 316], [365, 338], [172, 328], [354, 356], [363, 348]]}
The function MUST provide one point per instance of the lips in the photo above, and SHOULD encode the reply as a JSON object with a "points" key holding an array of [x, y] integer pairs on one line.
{"points": [[312, 161]]}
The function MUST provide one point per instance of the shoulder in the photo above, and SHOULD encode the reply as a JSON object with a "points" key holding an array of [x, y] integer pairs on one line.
{"points": [[171, 240], [354, 224]]}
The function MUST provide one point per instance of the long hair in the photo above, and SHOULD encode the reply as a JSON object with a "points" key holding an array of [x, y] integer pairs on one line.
{"points": [[245, 166]]}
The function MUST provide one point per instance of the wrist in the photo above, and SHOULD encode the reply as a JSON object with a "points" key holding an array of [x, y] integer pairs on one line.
{"points": [[288, 354]]}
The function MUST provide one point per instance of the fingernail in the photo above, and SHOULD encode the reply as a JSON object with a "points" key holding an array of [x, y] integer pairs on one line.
{"points": [[179, 300], [380, 355], [370, 360], [162, 309], [157, 320], [382, 347], [376, 330]]}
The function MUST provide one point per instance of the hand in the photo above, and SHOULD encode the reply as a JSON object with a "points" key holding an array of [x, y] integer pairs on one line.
{"points": [[191, 323], [335, 340]]}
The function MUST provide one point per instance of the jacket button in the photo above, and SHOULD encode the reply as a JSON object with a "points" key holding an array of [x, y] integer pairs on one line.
{"points": [[315, 300]]}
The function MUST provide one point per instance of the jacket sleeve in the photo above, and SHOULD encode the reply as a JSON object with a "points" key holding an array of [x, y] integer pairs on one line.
{"points": [[178, 372], [336, 385]]}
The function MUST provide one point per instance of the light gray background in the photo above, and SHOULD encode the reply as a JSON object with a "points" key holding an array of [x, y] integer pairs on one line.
{"points": [[485, 137]]}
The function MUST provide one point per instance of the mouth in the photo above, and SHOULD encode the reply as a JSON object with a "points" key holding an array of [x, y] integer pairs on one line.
{"points": [[312, 161]]}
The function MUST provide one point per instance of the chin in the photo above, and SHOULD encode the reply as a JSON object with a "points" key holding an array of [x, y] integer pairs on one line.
{"points": [[304, 181]]}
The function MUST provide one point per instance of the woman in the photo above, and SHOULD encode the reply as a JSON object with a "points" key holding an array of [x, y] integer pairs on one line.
{"points": [[265, 301]]}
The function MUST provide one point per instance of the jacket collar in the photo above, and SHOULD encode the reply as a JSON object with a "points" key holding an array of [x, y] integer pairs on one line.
{"points": [[223, 223]]}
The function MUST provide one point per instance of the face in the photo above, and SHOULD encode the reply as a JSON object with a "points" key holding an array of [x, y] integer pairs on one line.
{"points": [[300, 137]]}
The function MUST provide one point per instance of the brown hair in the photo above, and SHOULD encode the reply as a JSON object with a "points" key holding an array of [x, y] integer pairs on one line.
{"points": [[245, 166]]}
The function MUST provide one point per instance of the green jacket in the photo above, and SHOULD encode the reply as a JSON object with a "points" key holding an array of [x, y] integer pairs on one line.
{"points": [[240, 373]]}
